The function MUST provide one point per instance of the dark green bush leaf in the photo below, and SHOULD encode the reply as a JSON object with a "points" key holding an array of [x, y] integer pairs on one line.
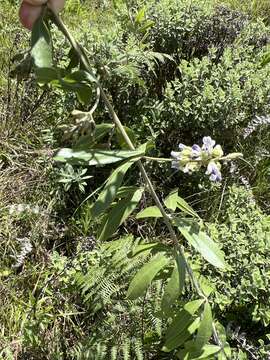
{"points": [[41, 45], [87, 141], [171, 200], [110, 190], [205, 329], [145, 275], [118, 214], [95, 156], [174, 286], [206, 354], [182, 326], [151, 211], [174, 201], [201, 242]]}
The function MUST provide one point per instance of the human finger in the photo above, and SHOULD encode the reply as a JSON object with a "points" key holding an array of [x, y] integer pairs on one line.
{"points": [[28, 14]]}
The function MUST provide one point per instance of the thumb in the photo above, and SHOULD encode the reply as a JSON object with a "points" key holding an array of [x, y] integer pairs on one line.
{"points": [[30, 10], [28, 14]]}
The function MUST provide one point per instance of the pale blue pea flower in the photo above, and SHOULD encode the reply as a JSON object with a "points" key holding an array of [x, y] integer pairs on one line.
{"points": [[208, 144], [213, 169]]}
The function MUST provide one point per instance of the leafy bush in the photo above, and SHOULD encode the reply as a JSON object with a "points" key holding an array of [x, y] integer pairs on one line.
{"points": [[242, 293], [190, 29], [255, 8], [211, 98], [174, 71], [218, 87]]}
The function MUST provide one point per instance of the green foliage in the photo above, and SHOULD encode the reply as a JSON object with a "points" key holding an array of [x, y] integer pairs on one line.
{"points": [[73, 285], [244, 236], [41, 44], [184, 324], [201, 242], [215, 98], [143, 278], [95, 156], [175, 285], [255, 8], [69, 176], [118, 214], [103, 289]]}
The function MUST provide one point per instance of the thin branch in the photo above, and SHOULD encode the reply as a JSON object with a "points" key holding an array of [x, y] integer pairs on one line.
{"points": [[94, 107], [178, 248], [80, 52]]}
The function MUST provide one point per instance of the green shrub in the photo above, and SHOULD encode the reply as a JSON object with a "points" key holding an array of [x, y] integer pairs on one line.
{"points": [[70, 302], [218, 87], [217, 99], [242, 294], [255, 8], [189, 29]]}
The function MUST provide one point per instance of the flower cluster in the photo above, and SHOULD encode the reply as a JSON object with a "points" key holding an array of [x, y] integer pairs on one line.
{"points": [[24, 208], [26, 248], [192, 158]]}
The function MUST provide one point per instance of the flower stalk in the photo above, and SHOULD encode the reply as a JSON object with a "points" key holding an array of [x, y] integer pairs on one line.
{"points": [[178, 248]]}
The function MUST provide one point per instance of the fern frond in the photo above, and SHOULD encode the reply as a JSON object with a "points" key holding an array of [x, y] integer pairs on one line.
{"points": [[114, 353], [138, 349], [126, 349]]}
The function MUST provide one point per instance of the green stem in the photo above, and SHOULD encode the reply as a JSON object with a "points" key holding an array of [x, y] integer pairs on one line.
{"points": [[157, 159], [177, 247]]}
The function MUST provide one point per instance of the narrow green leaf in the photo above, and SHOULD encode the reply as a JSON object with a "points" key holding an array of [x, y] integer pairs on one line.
{"points": [[108, 194], [125, 191], [171, 200], [206, 285], [140, 15], [185, 207], [205, 329], [265, 59], [147, 24], [226, 352], [95, 156], [145, 275], [206, 354], [149, 248], [143, 247], [84, 95], [118, 214], [183, 317], [120, 139], [182, 337], [201, 242], [87, 141], [179, 330], [181, 266], [81, 82], [76, 78], [41, 44], [151, 211], [45, 75], [74, 59], [174, 286]]}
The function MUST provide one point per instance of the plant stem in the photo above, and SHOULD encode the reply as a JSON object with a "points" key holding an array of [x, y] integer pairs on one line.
{"points": [[178, 248], [157, 159]]}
